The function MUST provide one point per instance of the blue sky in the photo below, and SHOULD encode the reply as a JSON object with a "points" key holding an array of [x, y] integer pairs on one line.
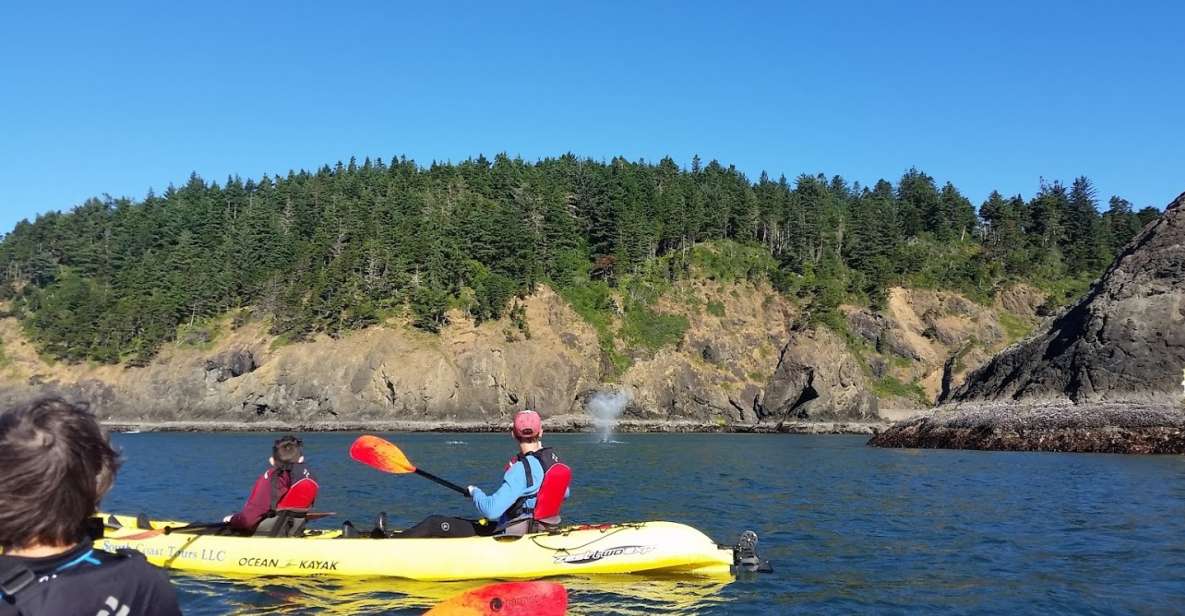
{"points": [[119, 97]]}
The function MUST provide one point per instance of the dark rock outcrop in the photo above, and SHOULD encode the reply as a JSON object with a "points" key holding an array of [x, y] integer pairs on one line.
{"points": [[892, 343], [1123, 341], [230, 365], [868, 325], [816, 379], [1104, 376]]}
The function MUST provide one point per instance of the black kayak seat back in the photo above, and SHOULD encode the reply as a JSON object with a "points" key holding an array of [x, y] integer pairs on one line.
{"points": [[527, 525], [286, 522]]}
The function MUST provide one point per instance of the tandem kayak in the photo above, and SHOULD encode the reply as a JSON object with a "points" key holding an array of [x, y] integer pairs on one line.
{"points": [[661, 548]]}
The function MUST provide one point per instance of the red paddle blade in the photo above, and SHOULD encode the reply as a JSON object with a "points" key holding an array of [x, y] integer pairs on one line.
{"points": [[383, 455], [148, 534], [507, 599]]}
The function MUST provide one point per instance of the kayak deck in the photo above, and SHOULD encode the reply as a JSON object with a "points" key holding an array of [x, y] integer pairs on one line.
{"points": [[649, 547]]}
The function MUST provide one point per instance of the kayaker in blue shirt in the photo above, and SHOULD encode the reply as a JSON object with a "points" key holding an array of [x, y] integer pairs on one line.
{"points": [[529, 499]]}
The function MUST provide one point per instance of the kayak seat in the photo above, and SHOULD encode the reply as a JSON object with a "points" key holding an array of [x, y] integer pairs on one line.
{"points": [[552, 493], [527, 525], [548, 500], [380, 527], [287, 522], [302, 495]]}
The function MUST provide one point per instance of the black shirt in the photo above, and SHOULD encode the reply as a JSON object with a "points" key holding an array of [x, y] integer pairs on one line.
{"points": [[89, 582]]}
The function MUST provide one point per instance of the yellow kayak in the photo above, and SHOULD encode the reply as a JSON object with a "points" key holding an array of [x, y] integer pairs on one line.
{"points": [[660, 548]]}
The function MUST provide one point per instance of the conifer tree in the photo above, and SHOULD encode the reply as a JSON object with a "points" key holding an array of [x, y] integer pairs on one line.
{"points": [[339, 247]]}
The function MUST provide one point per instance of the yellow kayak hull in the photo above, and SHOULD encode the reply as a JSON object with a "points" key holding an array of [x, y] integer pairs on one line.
{"points": [[660, 548]]}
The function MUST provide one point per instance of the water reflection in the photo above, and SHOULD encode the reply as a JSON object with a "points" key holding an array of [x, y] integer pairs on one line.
{"points": [[607, 594]]}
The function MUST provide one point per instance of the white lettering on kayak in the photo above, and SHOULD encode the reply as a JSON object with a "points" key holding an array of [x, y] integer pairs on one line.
{"points": [[590, 556], [165, 551]]}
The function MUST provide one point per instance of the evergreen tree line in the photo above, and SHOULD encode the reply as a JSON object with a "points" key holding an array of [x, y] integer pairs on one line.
{"points": [[346, 246]]}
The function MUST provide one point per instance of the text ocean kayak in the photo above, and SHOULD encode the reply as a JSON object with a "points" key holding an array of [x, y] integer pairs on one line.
{"points": [[649, 547]]}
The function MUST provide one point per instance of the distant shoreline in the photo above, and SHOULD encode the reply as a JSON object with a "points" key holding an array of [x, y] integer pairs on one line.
{"points": [[554, 425]]}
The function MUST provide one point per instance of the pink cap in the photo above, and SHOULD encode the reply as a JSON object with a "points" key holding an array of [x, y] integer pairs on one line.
{"points": [[527, 424]]}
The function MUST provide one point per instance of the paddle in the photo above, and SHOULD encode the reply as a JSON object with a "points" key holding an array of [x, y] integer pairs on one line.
{"points": [[148, 534], [507, 599], [312, 515], [385, 456]]}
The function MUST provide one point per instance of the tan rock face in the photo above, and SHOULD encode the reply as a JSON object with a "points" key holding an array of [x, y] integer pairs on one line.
{"points": [[743, 359], [735, 334], [468, 372], [1020, 299], [930, 340]]}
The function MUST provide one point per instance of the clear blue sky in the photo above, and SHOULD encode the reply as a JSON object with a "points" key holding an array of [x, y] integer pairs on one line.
{"points": [[102, 97]]}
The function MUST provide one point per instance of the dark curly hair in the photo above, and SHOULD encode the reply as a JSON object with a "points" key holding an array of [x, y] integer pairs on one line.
{"points": [[287, 450], [57, 464]]}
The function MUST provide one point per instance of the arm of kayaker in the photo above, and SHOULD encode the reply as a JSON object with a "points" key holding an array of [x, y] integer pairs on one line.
{"points": [[255, 508], [514, 484]]}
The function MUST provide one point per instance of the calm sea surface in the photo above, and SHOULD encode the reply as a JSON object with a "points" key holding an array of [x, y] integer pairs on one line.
{"points": [[849, 528]]}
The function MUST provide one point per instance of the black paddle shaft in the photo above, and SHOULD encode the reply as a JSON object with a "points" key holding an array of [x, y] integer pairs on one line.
{"points": [[444, 482], [178, 529]]}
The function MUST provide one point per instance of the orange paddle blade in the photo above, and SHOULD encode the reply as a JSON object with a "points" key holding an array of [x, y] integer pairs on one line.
{"points": [[383, 455], [507, 599]]}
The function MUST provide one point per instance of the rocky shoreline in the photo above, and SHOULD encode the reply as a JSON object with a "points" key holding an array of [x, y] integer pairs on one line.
{"points": [[561, 424], [1060, 427]]}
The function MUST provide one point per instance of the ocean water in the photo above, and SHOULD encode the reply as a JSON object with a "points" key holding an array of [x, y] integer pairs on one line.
{"points": [[849, 529]]}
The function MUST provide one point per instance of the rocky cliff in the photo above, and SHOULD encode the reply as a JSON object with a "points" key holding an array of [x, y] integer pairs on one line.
{"points": [[1123, 342], [1112, 362], [745, 360]]}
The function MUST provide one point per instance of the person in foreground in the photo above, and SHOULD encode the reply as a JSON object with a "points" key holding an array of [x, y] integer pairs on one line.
{"points": [[533, 490], [286, 484], [55, 466]]}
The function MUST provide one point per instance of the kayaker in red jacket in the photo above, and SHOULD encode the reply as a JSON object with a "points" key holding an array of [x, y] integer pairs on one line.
{"points": [[286, 484]]}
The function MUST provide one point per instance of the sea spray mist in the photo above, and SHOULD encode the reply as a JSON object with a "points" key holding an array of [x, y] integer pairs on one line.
{"points": [[606, 408]]}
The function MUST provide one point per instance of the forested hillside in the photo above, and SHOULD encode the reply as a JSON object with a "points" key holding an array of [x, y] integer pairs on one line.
{"points": [[352, 245]]}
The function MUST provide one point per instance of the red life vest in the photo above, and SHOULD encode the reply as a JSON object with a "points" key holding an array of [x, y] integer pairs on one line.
{"points": [[549, 498], [302, 487]]}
